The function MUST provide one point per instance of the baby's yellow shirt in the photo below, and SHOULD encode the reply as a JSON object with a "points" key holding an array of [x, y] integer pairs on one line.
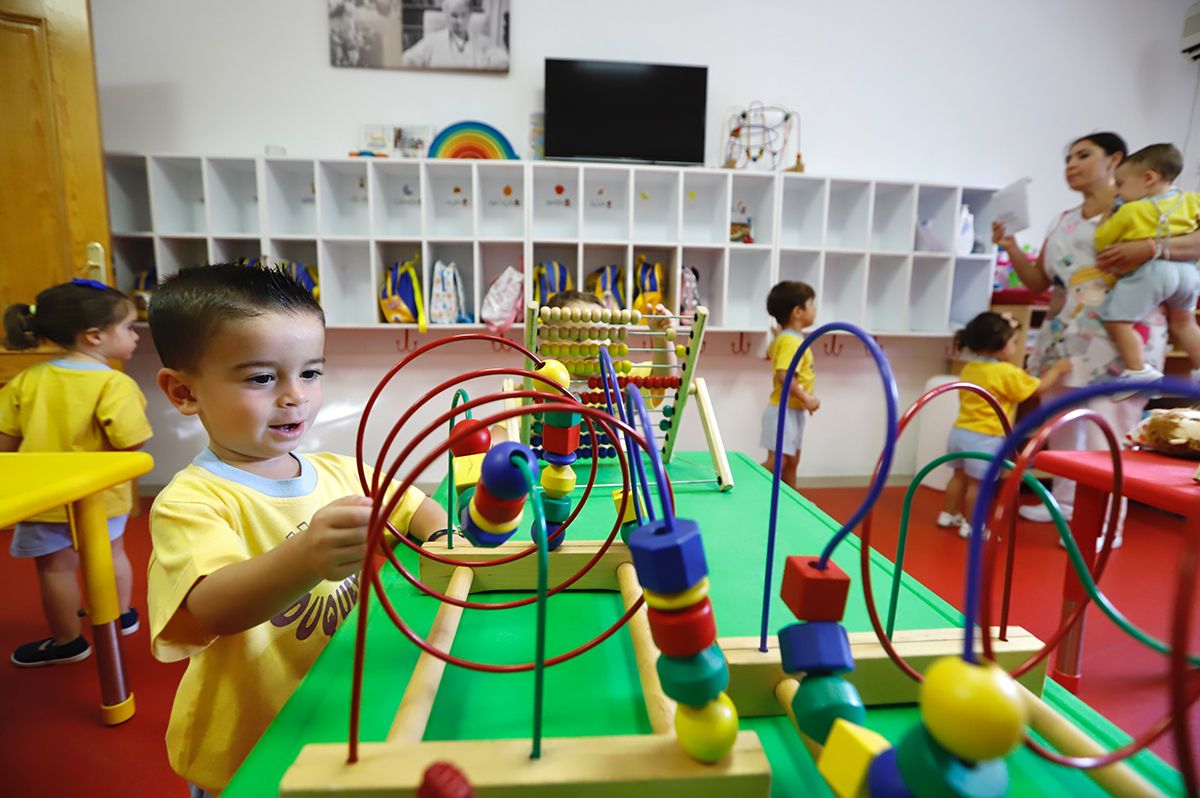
{"points": [[1171, 214], [1008, 383]]}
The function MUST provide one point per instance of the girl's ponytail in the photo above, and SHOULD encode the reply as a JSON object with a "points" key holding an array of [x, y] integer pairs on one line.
{"points": [[19, 327]]}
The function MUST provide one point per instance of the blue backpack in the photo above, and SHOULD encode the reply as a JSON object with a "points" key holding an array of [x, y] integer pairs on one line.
{"points": [[548, 279], [400, 297], [607, 284]]}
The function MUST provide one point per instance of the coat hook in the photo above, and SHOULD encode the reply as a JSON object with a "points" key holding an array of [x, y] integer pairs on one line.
{"points": [[497, 346], [741, 347], [407, 345], [833, 347]]}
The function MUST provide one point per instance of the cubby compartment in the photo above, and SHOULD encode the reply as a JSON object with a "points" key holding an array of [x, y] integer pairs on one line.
{"points": [[291, 197], [233, 193], [566, 254], [596, 256], [802, 215], [386, 253], [802, 265], [397, 199], [937, 212], [501, 199], [893, 217], [668, 258], [887, 293], [844, 284], [971, 292], [705, 200], [605, 203], [232, 249], [555, 209], [494, 257], [752, 198], [176, 254], [342, 198], [656, 205], [748, 283], [177, 196], [131, 255], [345, 278], [849, 214], [293, 250], [462, 255], [449, 200], [709, 263], [128, 194], [929, 293], [979, 201]]}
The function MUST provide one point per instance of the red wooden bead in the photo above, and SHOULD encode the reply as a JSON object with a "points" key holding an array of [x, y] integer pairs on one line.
{"points": [[813, 594], [684, 633], [496, 511], [443, 780], [469, 436], [560, 440]]}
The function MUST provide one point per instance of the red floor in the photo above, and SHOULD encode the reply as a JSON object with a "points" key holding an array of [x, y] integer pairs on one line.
{"points": [[52, 744]]}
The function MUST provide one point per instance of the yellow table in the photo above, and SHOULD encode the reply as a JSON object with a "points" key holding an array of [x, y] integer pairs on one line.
{"points": [[34, 483]]}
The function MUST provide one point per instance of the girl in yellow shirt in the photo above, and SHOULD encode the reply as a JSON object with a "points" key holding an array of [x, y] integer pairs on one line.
{"points": [[74, 403]]}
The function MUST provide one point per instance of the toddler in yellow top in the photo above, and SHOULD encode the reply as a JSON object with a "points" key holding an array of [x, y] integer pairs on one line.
{"points": [[991, 341], [1153, 211], [793, 306], [256, 548], [73, 403]]}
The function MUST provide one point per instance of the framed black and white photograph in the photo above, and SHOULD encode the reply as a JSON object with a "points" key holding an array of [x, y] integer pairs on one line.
{"points": [[459, 35]]}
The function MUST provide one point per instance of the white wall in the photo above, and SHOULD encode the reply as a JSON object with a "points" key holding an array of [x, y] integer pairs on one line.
{"points": [[941, 90]]}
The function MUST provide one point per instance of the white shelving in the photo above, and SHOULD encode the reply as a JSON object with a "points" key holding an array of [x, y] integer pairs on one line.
{"points": [[852, 239]]}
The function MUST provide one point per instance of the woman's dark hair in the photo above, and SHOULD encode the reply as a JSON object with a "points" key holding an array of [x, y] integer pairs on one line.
{"points": [[788, 295], [59, 314], [986, 333], [563, 297], [1106, 140]]}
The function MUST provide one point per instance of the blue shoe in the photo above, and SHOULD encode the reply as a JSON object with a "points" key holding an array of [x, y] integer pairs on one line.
{"points": [[130, 622], [45, 652]]}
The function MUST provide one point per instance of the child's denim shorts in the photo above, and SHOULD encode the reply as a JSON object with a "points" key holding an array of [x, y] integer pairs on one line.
{"points": [[38, 539], [793, 429], [965, 440]]}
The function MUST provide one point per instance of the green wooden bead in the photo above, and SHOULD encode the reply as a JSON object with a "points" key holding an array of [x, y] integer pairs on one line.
{"points": [[664, 425], [931, 771], [668, 410], [557, 509], [537, 426], [821, 700], [627, 530], [694, 681], [555, 418]]}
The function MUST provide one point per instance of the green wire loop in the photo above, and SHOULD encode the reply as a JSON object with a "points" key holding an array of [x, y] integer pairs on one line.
{"points": [[543, 557], [1064, 532]]}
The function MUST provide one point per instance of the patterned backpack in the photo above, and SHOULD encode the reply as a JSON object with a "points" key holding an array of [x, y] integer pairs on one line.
{"points": [[647, 285], [504, 301], [549, 278], [446, 302], [606, 283], [689, 289]]}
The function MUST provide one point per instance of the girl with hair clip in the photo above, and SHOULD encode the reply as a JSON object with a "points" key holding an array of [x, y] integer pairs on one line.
{"points": [[73, 403], [990, 339]]}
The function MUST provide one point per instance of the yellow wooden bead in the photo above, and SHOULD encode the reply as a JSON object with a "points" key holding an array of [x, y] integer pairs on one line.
{"points": [[846, 758], [707, 733], [974, 711], [635, 316], [467, 470], [558, 480], [669, 333], [677, 601], [606, 315], [680, 350], [544, 313], [630, 506], [495, 529], [555, 373]]}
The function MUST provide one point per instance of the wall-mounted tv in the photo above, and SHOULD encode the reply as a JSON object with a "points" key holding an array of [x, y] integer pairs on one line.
{"points": [[616, 110]]}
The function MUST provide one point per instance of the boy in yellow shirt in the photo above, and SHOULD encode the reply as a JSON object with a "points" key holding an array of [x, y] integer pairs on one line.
{"points": [[793, 305], [256, 549], [1154, 210]]}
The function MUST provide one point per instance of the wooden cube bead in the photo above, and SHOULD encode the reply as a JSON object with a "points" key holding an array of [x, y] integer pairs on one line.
{"points": [[558, 480], [823, 699], [560, 440], [668, 561], [694, 680], [815, 647], [466, 471], [683, 633], [813, 594], [846, 758], [709, 732], [630, 506], [884, 779], [493, 510], [677, 601], [929, 769]]}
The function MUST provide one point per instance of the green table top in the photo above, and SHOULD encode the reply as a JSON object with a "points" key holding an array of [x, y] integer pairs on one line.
{"points": [[598, 693]]}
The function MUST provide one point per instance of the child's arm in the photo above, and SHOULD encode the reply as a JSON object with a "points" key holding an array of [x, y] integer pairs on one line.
{"points": [[9, 443], [430, 517], [664, 350], [810, 401], [1054, 376]]}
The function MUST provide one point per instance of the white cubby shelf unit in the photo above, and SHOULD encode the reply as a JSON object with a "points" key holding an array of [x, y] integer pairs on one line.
{"points": [[853, 239]]}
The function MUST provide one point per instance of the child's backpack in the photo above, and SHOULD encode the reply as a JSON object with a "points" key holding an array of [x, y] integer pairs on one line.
{"points": [[606, 283], [446, 302], [548, 279], [504, 301], [689, 289], [306, 276], [144, 283], [647, 285], [400, 297]]}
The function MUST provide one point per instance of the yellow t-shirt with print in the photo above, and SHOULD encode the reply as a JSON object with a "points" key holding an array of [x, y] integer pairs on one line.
{"points": [[71, 406], [1008, 383], [212, 515], [1171, 214], [780, 352]]}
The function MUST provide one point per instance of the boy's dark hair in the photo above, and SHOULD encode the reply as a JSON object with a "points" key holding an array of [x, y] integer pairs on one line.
{"points": [[787, 295], [1166, 159], [1106, 140], [188, 308], [985, 334], [563, 297], [62, 312]]}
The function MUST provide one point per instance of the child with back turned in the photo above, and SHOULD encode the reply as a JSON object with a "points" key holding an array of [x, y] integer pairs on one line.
{"points": [[73, 403], [256, 548], [991, 341], [793, 305]]}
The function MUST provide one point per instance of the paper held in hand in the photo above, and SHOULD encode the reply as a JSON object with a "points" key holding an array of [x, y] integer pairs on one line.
{"points": [[1010, 206]]}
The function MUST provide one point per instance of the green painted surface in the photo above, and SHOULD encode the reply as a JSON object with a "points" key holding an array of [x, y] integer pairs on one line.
{"points": [[598, 693]]}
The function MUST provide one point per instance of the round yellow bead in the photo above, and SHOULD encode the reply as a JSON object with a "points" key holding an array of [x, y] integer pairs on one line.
{"points": [[973, 711], [635, 316], [576, 314], [606, 315], [555, 373], [677, 601], [544, 313], [680, 350], [624, 317], [709, 732], [555, 314], [669, 333]]}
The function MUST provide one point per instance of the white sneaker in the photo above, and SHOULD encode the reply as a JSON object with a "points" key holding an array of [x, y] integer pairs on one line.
{"points": [[964, 531], [1040, 513], [1117, 542], [1144, 373], [947, 520]]}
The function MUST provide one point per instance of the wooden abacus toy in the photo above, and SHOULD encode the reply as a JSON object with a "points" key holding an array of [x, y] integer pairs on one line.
{"points": [[575, 336]]}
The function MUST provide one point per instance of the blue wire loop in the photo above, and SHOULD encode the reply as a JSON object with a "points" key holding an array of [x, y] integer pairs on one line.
{"points": [[637, 403], [892, 401], [612, 396]]}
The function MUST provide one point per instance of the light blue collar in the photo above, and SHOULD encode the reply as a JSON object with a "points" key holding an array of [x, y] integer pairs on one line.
{"points": [[78, 365], [293, 488], [799, 335], [982, 359]]}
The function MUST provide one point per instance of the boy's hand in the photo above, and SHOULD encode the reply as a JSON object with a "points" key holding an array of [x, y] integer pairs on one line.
{"points": [[660, 324], [812, 403], [335, 542]]}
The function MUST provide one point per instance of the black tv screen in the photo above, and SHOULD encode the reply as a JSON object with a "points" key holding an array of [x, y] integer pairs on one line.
{"points": [[614, 110]]}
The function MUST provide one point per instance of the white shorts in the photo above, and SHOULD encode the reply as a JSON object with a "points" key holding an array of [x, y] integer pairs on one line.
{"points": [[793, 429]]}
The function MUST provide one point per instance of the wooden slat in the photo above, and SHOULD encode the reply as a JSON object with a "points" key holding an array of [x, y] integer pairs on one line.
{"points": [[570, 557]]}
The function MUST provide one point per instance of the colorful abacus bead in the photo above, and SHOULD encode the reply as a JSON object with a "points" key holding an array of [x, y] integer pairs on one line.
{"points": [[707, 733], [972, 710], [815, 647], [845, 761], [668, 560], [821, 700]]}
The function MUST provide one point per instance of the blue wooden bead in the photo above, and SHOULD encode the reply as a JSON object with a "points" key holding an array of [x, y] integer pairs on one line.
{"points": [[535, 440], [823, 699], [694, 681], [503, 479], [668, 561], [814, 647], [884, 779], [477, 536], [560, 459]]}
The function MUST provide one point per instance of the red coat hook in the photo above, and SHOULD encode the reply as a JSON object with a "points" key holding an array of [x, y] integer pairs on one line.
{"points": [[832, 346], [497, 346], [741, 347], [407, 345]]}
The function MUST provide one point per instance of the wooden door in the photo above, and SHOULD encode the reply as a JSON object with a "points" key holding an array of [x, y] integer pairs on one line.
{"points": [[52, 203]]}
